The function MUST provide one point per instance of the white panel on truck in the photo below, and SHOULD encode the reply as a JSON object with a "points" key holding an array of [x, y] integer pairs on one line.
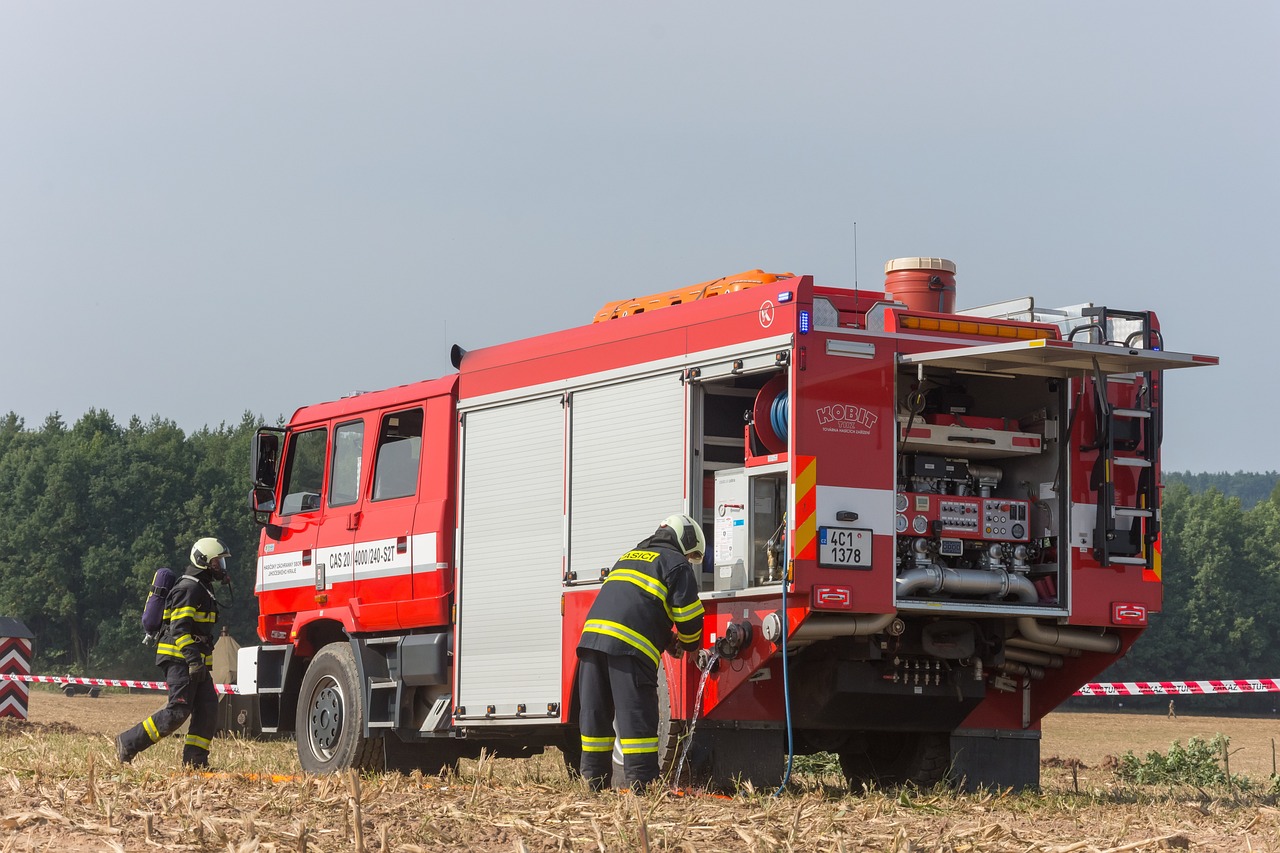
{"points": [[510, 562], [627, 467]]}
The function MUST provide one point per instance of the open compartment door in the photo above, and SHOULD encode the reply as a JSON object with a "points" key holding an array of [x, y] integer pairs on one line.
{"points": [[1063, 359]]}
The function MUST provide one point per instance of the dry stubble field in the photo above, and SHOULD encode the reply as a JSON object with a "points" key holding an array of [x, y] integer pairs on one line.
{"points": [[60, 788]]}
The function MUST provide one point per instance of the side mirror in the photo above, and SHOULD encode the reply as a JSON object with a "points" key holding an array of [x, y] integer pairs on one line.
{"points": [[262, 500], [263, 503], [264, 458]]}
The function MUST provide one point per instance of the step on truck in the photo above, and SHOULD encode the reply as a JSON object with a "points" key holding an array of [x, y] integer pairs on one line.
{"points": [[926, 529]]}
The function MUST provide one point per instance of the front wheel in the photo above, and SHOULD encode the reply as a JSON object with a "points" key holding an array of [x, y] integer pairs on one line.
{"points": [[331, 715]]}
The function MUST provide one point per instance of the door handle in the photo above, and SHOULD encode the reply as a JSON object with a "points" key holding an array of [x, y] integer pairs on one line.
{"points": [[353, 520]]}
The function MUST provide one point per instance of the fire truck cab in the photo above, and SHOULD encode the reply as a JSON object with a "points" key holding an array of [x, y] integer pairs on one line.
{"points": [[926, 529]]}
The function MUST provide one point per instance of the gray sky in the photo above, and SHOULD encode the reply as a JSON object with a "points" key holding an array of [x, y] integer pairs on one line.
{"points": [[213, 208]]}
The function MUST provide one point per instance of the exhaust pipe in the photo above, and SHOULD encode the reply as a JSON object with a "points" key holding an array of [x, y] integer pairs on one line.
{"points": [[1071, 638], [817, 628], [1037, 658], [1019, 642], [1023, 669]]}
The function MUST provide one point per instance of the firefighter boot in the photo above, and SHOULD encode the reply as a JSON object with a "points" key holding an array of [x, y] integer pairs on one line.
{"points": [[130, 744], [123, 752]]}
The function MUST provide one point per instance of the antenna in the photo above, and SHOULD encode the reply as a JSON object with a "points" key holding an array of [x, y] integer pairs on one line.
{"points": [[855, 255]]}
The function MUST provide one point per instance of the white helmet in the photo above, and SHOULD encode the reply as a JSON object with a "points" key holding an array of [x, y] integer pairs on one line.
{"points": [[688, 534], [209, 553]]}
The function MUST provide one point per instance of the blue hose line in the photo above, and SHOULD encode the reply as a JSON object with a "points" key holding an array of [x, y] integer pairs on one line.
{"points": [[778, 415], [786, 691]]}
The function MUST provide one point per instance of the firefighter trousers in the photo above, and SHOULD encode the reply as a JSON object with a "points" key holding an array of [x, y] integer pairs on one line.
{"points": [[197, 701], [621, 688]]}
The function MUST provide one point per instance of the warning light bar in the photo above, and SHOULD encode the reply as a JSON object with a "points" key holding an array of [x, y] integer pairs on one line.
{"points": [[986, 328]]}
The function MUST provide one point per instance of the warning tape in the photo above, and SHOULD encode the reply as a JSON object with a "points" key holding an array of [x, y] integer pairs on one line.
{"points": [[103, 682], [1180, 688], [1113, 688]]}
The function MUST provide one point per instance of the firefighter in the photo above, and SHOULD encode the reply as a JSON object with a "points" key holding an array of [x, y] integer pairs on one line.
{"points": [[627, 629], [185, 652]]}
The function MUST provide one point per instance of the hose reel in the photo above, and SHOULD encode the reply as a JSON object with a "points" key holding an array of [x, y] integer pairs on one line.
{"points": [[770, 414]]}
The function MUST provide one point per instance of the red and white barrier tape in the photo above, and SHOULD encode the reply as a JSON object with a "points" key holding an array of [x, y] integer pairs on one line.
{"points": [[1180, 688], [102, 682], [1113, 688]]}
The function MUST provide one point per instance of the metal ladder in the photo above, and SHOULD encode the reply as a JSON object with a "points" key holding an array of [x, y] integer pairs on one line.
{"points": [[1128, 437]]}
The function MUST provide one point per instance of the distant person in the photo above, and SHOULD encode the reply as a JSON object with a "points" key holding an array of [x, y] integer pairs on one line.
{"points": [[628, 627], [185, 652], [1173, 715]]}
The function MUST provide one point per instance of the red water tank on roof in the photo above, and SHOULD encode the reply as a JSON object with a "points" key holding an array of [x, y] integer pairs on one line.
{"points": [[922, 284]]}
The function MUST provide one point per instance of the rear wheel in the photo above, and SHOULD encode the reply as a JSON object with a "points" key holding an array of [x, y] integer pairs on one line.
{"points": [[670, 739], [331, 715], [890, 759]]}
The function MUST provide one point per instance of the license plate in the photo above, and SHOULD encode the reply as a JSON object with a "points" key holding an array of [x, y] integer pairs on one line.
{"points": [[844, 548]]}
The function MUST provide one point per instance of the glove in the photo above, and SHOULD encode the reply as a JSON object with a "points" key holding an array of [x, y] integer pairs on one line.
{"points": [[674, 648], [197, 671]]}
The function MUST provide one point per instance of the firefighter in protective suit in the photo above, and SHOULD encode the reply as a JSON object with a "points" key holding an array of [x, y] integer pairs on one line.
{"points": [[185, 652], [627, 629]]}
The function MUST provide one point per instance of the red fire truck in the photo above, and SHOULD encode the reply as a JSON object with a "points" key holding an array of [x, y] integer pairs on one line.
{"points": [[926, 528]]}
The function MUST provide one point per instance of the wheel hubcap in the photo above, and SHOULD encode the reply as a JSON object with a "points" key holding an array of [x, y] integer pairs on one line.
{"points": [[326, 718]]}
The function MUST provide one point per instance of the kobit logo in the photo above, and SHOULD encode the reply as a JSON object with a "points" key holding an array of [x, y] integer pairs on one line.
{"points": [[846, 414]]}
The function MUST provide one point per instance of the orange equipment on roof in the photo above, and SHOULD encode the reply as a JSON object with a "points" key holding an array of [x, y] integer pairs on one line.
{"points": [[703, 290]]}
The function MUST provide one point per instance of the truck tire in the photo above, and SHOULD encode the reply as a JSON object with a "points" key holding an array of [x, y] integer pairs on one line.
{"points": [[893, 759], [570, 745], [331, 715]]}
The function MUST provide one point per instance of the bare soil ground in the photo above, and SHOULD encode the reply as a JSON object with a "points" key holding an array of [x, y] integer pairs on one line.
{"points": [[61, 788]]}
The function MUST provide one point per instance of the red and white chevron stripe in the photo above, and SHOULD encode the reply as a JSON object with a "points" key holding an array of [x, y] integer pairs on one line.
{"points": [[15, 660], [102, 682], [1180, 688], [15, 655]]}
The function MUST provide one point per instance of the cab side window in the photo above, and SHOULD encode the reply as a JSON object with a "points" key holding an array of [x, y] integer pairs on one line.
{"points": [[304, 472], [344, 475], [395, 472]]}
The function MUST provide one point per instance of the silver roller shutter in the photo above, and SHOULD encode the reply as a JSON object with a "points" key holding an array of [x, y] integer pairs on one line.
{"points": [[627, 467], [512, 548]]}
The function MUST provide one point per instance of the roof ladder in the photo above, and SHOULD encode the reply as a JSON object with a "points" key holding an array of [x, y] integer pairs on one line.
{"points": [[1128, 437]]}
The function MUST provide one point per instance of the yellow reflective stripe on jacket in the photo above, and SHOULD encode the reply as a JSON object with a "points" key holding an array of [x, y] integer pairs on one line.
{"points": [[689, 638], [689, 611], [171, 651], [635, 745], [648, 583], [597, 744], [622, 632], [189, 612]]}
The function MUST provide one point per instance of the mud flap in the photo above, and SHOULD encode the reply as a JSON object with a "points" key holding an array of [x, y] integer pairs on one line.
{"points": [[995, 758]]}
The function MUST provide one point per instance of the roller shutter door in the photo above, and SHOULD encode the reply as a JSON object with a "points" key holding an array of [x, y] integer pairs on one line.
{"points": [[512, 548], [627, 467]]}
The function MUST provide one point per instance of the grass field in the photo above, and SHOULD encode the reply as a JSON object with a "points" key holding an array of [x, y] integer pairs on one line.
{"points": [[61, 788]]}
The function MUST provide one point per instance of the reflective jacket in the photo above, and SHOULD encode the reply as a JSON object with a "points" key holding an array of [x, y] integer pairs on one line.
{"points": [[190, 612], [648, 591]]}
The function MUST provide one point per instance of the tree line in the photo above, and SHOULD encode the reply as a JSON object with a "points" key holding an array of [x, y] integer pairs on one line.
{"points": [[89, 512]]}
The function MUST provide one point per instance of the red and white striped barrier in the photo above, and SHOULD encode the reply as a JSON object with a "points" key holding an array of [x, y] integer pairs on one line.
{"points": [[1112, 688], [103, 682], [1180, 688]]}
